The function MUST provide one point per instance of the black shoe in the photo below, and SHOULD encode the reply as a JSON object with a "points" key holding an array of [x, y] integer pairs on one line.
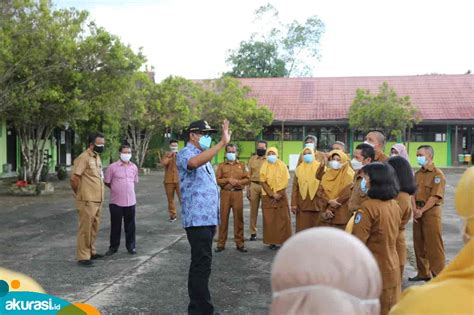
{"points": [[273, 247], [171, 220], [96, 256], [86, 263], [418, 278], [110, 252], [242, 249], [219, 249], [132, 251], [253, 237]]}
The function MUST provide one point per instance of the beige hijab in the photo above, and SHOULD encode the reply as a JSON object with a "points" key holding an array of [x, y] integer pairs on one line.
{"points": [[308, 277]]}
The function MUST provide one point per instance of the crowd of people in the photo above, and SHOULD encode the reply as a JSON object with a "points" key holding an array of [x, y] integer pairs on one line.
{"points": [[352, 263]]}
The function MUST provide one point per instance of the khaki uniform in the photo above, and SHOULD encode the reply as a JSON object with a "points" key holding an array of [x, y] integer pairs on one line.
{"points": [[308, 214], [341, 214], [276, 217], [232, 197], [254, 165], [380, 157], [321, 158], [89, 198], [357, 195], [171, 182], [404, 201], [377, 224], [427, 231]]}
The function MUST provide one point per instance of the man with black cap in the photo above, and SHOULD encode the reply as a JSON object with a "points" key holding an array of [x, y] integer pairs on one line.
{"points": [[200, 208]]}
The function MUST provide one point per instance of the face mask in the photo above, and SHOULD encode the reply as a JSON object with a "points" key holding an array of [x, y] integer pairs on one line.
{"points": [[356, 165], [363, 186], [99, 148], [310, 145], [393, 154], [421, 160], [125, 156], [205, 142], [367, 142], [230, 156], [335, 165], [173, 149], [272, 159], [308, 158], [261, 152]]}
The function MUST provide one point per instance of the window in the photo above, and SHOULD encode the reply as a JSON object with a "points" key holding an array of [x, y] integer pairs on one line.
{"points": [[428, 134], [290, 133]]}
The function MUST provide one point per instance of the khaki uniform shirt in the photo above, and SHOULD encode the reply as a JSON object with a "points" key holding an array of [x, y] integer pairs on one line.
{"points": [[171, 171], [357, 196], [380, 157], [236, 170], [298, 201], [91, 185], [377, 224], [342, 213], [254, 166], [430, 182]]}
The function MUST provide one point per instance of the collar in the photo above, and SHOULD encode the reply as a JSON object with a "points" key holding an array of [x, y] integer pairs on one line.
{"points": [[429, 168], [232, 163], [123, 163], [191, 146], [91, 153]]}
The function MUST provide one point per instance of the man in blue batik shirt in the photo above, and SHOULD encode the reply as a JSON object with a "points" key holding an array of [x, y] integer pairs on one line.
{"points": [[200, 208]]}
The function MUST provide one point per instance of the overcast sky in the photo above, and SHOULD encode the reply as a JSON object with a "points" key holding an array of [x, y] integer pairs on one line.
{"points": [[191, 38]]}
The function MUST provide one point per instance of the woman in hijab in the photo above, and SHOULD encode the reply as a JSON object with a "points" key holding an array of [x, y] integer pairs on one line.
{"points": [[303, 196], [307, 278], [274, 177], [399, 150], [407, 184], [335, 190], [452, 291], [377, 224]]}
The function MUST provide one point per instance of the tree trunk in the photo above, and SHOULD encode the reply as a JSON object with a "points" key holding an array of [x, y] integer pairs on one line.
{"points": [[32, 145], [138, 145]]}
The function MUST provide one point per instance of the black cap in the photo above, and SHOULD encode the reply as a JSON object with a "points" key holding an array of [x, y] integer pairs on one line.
{"points": [[200, 126]]}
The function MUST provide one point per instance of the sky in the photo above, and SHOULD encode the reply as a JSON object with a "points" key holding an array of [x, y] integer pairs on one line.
{"points": [[192, 38]]}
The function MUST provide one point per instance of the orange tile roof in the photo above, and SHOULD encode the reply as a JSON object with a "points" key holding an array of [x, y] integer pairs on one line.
{"points": [[438, 97]]}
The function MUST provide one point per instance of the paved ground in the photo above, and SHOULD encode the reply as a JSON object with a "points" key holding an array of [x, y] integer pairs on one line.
{"points": [[38, 234]]}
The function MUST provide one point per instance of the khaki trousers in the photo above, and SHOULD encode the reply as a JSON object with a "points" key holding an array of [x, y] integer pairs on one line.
{"points": [[231, 200], [389, 298], [428, 243], [170, 189], [307, 219], [89, 220], [255, 198]]}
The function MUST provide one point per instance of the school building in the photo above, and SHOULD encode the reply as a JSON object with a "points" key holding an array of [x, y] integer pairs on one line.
{"points": [[320, 106]]}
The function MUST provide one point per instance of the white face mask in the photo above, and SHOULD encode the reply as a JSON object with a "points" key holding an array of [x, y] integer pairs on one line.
{"points": [[367, 142], [356, 165], [335, 165], [173, 149], [310, 145], [125, 156]]}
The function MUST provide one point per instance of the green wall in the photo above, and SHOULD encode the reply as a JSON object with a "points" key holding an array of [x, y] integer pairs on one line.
{"points": [[440, 148], [3, 144]]}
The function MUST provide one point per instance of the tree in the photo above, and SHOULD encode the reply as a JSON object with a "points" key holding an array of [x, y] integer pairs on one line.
{"points": [[278, 49], [256, 59], [151, 109], [226, 98], [384, 111], [54, 72]]}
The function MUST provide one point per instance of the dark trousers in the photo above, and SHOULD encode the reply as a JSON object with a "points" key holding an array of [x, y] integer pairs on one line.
{"points": [[200, 238], [116, 215]]}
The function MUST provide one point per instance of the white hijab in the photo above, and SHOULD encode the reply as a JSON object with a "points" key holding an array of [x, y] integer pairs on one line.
{"points": [[325, 271]]}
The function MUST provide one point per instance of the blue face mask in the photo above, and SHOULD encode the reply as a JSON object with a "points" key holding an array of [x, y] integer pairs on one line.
{"points": [[421, 160], [308, 158], [230, 156], [363, 186], [272, 159], [205, 142]]}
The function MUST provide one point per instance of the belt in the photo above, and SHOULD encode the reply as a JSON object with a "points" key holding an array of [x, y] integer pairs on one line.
{"points": [[233, 189]]}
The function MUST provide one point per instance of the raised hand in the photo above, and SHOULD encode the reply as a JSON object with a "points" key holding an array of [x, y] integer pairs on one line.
{"points": [[226, 133]]}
